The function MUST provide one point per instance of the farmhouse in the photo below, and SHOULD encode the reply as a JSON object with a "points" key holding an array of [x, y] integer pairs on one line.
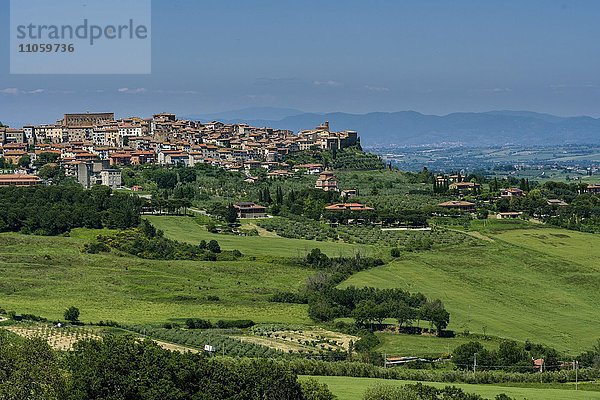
{"points": [[19, 180], [509, 215], [348, 207], [327, 182], [458, 205], [593, 188], [250, 210], [512, 192], [463, 187], [557, 203], [310, 169]]}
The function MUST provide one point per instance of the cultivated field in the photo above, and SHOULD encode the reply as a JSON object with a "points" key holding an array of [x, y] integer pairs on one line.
{"points": [[57, 338], [186, 229]]}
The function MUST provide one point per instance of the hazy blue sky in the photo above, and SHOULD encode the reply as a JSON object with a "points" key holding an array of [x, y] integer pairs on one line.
{"points": [[354, 56]]}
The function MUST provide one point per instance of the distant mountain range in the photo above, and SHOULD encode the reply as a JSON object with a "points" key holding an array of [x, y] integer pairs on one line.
{"points": [[413, 128]]}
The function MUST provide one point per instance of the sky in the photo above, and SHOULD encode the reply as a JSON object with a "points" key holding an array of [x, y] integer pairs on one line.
{"points": [[435, 57]]}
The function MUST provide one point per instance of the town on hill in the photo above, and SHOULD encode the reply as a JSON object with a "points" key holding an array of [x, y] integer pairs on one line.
{"points": [[90, 145]]}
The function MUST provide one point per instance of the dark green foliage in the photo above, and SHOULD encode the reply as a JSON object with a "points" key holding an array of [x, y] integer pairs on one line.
{"points": [[225, 212], [72, 314], [395, 252], [359, 369], [368, 306], [314, 390], [45, 158], [213, 246], [240, 324], [352, 158], [368, 341], [157, 247], [194, 323], [510, 356], [24, 161], [289, 297], [591, 358], [95, 248], [52, 210], [123, 368], [418, 392], [30, 367]]}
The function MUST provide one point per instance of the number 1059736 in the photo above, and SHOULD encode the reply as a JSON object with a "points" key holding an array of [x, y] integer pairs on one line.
{"points": [[46, 48]]}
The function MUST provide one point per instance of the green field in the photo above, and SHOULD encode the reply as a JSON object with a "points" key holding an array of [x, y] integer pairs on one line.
{"points": [[538, 283], [528, 282], [427, 346], [348, 388], [185, 229], [45, 275]]}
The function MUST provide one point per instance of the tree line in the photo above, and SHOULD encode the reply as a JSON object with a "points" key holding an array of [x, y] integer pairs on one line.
{"points": [[148, 242], [53, 210], [123, 367]]}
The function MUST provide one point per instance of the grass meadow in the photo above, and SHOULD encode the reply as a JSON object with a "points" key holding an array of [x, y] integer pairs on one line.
{"points": [[349, 388], [526, 282], [537, 283], [45, 275]]}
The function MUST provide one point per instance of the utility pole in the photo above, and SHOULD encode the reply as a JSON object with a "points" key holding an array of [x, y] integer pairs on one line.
{"points": [[576, 375], [474, 362]]}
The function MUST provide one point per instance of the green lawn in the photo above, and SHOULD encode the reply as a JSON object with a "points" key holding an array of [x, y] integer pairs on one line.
{"points": [[45, 275], [187, 230], [538, 283], [428, 346], [348, 388]]}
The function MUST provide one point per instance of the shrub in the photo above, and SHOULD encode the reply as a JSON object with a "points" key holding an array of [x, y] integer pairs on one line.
{"points": [[314, 390], [395, 252], [213, 246], [193, 323], [240, 323], [72, 314], [95, 248]]}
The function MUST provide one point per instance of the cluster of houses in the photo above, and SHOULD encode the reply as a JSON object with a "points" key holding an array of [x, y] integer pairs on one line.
{"points": [[88, 144], [457, 184]]}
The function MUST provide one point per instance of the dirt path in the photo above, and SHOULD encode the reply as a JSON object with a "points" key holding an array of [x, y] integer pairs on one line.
{"points": [[174, 347], [261, 231]]}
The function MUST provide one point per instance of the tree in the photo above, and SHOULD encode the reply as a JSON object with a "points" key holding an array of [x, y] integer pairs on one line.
{"points": [[213, 246], [51, 171], [314, 390], [316, 258], [72, 314], [46, 158], [202, 244], [25, 161], [436, 314], [279, 195], [230, 214], [464, 355], [403, 313]]}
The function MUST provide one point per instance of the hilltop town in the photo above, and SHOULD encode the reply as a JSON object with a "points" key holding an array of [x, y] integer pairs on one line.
{"points": [[89, 146]]}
